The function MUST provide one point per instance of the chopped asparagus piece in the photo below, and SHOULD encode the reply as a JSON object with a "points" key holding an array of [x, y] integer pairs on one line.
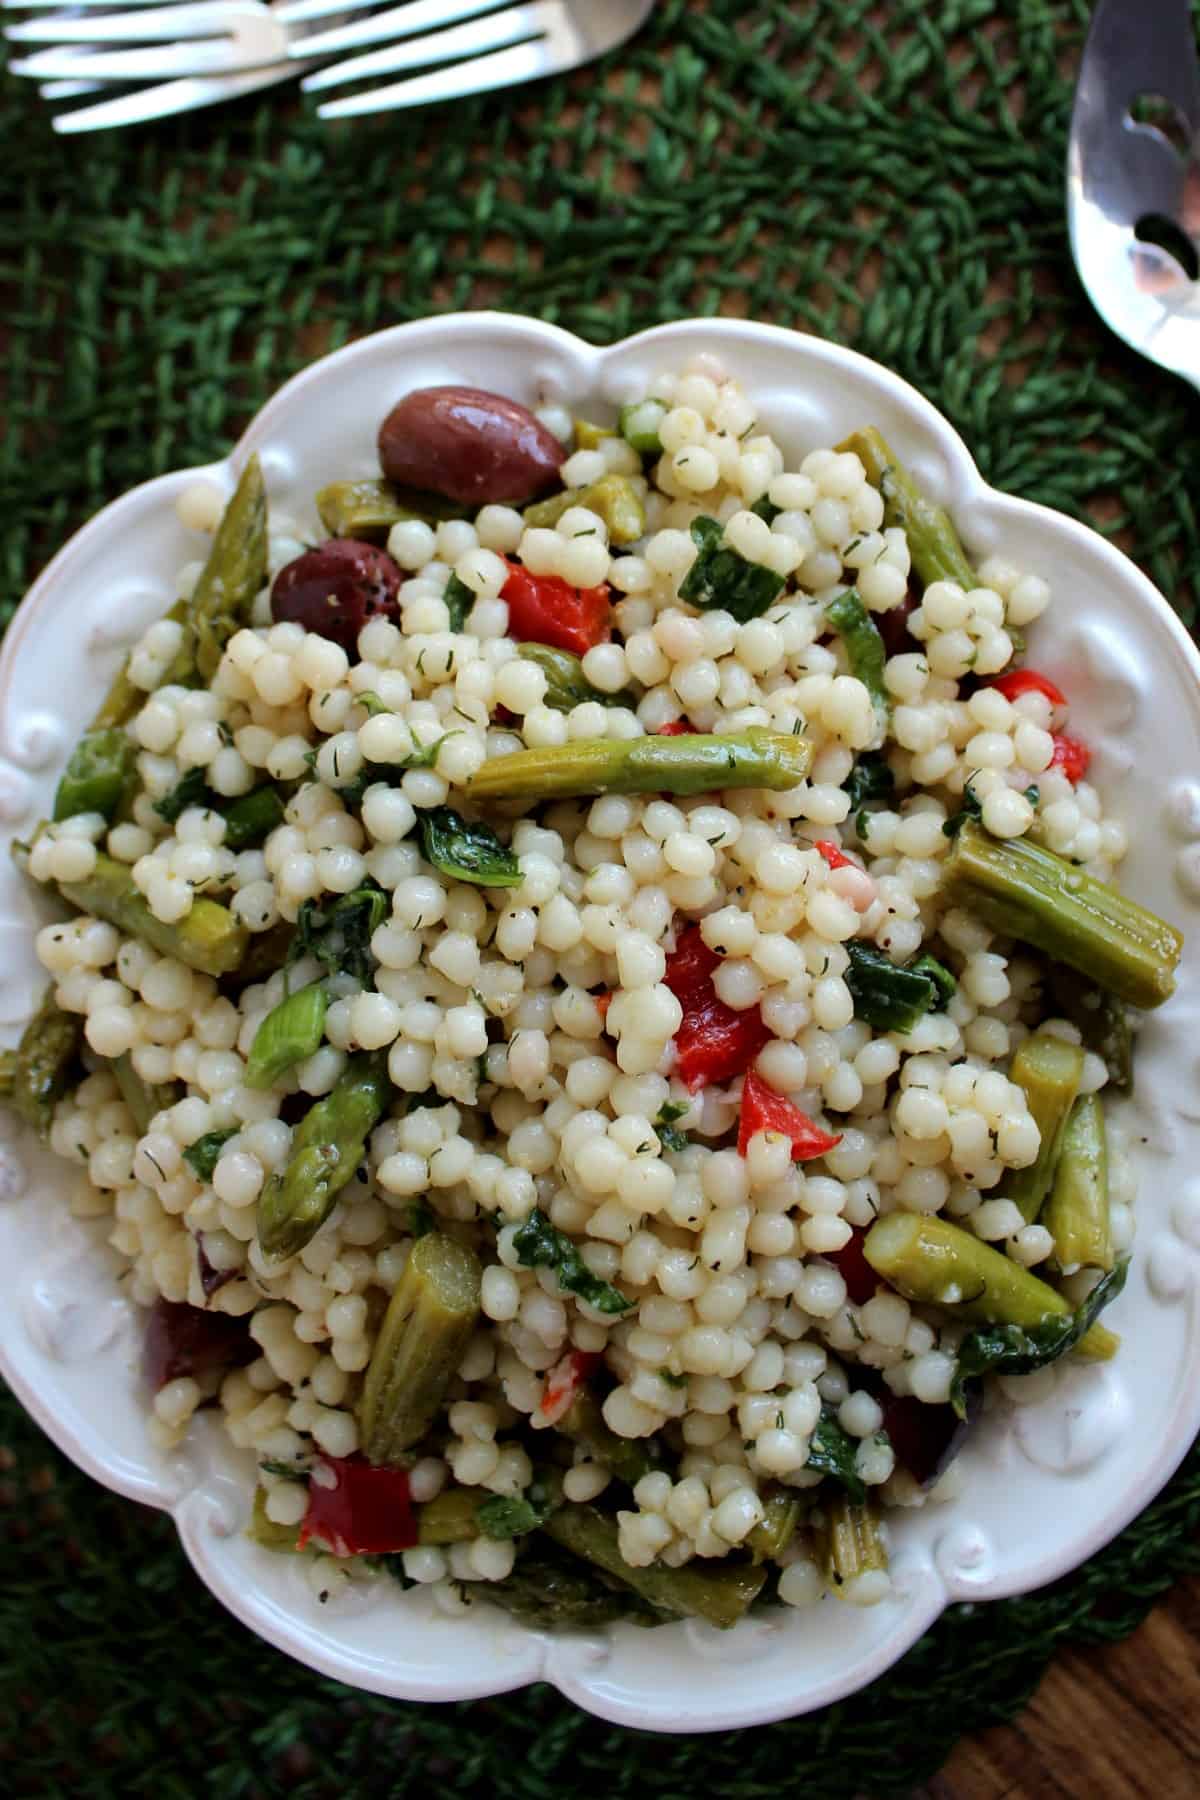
{"points": [[721, 1595], [613, 497], [8, 1072], [865, 650], [290, 1033], [566, 684], [585, 1424], [100, 774], [933, 543], [1026, 892], [252, 817], [589, 435], [208, 938], [430, 1316], [849, 1545], [1099, 1017], [45, 1060], [369, 509], [123, 699], [230, 581], [936, 1263], [1049, 1072], [695, 764], [551, 1589], [451, 1517], [1077, 1213], [327, 1147], [1020, 1349], [775, 1530], [640, 424], [266, 1532], [143, 1098], [266, 952]]}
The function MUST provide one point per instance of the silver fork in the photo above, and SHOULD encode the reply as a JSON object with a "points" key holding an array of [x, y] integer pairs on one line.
{"points": [[519, 43], [203, 37], [1133, 188]]}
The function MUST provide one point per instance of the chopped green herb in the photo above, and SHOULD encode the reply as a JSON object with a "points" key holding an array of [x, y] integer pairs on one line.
{"points": [[720, 577], [339, 935], [940, 976], [1019, 1350], [971, 808], [672, 1380], [539, 1244], [1033, 794], [421, 1218], [766, 509], [190, 790], [371, 703], [466, 850], [505, 1516], [669, 1138], [201, 1156], [870, 779], [832, 1452], [459, 600]]}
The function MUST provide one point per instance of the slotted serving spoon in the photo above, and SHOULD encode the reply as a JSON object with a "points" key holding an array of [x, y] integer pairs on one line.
{"points": [[1133, 186]]}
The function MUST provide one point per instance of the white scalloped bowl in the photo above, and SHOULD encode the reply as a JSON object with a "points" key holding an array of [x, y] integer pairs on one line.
{"points": [[1045, 1483]]}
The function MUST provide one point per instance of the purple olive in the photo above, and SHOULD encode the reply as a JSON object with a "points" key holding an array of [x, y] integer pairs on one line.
{"points": [[183, 1340], [925, 1438], [468, 445], [336, 588]]}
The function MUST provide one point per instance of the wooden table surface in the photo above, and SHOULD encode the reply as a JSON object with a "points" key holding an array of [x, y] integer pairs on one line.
{"points": [[1113, 1723]]}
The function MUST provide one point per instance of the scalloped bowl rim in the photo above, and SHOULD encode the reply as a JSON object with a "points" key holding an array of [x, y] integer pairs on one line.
{"points": [[196, 1509]]}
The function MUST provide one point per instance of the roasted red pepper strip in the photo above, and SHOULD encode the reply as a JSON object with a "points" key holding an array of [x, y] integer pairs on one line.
{"points": [[837, 859], [603, 1002], [713, 1043], [676, 728], [765, 1110], [564, 1381], [860, 1278], [1072, 757], [544, 609], [368, 1511], [1027, 681]]}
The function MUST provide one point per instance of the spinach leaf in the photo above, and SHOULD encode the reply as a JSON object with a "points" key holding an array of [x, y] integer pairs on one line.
{"points": [[832, 1452], [459, 601], [668, 1137], [420, 1216], [719, 577], [888, 997], [339, 935], [513, 1516], [766, 509], [286, 1471], [190, 790], [1019, 1350], [201, 1156], [539, 1244], [466, 849], [869, 779], [971, 808], [423, 757], [940, 976]]}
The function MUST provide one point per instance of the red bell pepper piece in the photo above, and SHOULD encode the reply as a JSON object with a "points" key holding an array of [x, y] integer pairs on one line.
{"points": [[368, 1511], [564, 1381], [765, 1110], [1027, 681], [713, 1043], [603, 1002], [1071, 756], [860, 1278], [676, 728], [836, 858], [545, 609]]}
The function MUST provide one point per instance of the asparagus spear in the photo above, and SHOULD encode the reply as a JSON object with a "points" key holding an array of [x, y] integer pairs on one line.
{"points": [[1099, 1017], [864, 646], [937, 554], [123, 699], [327, 1147], [369, 509], [697, 764], [266, 952], [721, 1595], [613, 497], [1026, 892], [1049, 1071], [849, 1547], [777, 1527], [431, 1314], [45, 1059], [549, 1588], [1076, 1214], [208, 938], [290, 1033], [100, 773], [935, 1263], [585, 1424], [229, 582], [566, 683], [143, 1098]]}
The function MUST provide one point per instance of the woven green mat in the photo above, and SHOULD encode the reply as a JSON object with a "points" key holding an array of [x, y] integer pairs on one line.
{"points": [[887, 175]]}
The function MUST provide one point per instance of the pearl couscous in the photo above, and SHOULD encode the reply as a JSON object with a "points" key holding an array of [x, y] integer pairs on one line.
{"points": [[538, 1024]]}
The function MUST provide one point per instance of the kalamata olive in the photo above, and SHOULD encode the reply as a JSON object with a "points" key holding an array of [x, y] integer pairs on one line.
{"points": [[471, 446], [183, 1340], [926, 1438], [334, 589]]}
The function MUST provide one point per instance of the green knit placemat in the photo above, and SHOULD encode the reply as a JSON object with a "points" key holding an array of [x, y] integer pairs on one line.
{"points": [[886, 176]]}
